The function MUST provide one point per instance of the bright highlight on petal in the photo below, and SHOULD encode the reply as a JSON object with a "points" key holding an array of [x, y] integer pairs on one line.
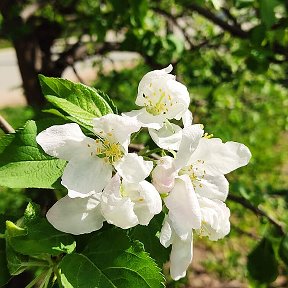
{"points": [[168, 137], [76, 216], [184, 209], [64, 141], [133, 168]]}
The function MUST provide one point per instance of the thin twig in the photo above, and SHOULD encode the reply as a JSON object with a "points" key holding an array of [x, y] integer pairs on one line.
{"points": [[233, 29], [77, 74], [256, 211], [138, 147], [246, 233], [173, 19], [5, 126]]}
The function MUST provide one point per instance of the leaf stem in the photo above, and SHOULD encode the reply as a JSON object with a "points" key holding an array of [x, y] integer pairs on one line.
{"points": [[156, 150], [256, 211], [35, 280], [46, 280], [35, 264], [5, 126], [58, 276]]}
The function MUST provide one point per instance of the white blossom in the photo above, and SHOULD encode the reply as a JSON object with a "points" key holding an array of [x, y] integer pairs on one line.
{"points": [[162, 97], [91, 162], [195, 188], [205, 160], [214, 224], [122, 203]]}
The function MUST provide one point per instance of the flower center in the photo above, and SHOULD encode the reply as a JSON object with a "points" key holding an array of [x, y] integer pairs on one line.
{"points": [[195, 172], [110, 151], [157, 101]]}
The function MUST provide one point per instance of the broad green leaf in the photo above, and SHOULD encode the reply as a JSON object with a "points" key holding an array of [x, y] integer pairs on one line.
{"points": [[38, 237], [262, 264], [148, 236], [41, 238], [77, 270], [23, 164], [283, 249], [124, 262], [78, 101], [5, 141], [79, 115], [16, 263]]}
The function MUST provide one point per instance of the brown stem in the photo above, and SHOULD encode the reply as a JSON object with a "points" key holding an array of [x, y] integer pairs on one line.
{"points": [[233, 29], [5, 126], [255, 210], [77, 74], [173, 19]]}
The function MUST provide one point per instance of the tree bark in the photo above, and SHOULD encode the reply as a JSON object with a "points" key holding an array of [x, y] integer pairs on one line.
{"points": [[27, 52]]}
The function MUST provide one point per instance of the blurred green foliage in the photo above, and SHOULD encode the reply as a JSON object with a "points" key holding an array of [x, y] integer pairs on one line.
{"points": [[232, 55]]}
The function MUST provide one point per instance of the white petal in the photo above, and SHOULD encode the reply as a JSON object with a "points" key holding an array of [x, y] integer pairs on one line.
{"points": [[76, 216], [179, 92], [181, 256], [64, 141], [213, 187], [146, 119], [154, 75], [116, 209], [215, 218], [187, 118], [220, 158], [120, 127], [182, 250], [166, 238], [86, 175], [163, 175], [133, 168], [168, 137], [149, 203], [191, 136], [184, 210]]}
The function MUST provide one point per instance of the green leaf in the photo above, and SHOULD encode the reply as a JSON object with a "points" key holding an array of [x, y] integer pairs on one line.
{"points": [[13, 230], [32, 213], [5, 141], [122, 261], [24, 165], [77, 270], [148, 235], [283, 249], [267, 12], [38, 236], [262, 264], [16, 262], [78, 101], [79, 115]]}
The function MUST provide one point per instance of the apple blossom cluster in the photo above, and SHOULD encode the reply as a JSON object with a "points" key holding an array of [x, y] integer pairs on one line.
{"points": [[107, 183]]}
